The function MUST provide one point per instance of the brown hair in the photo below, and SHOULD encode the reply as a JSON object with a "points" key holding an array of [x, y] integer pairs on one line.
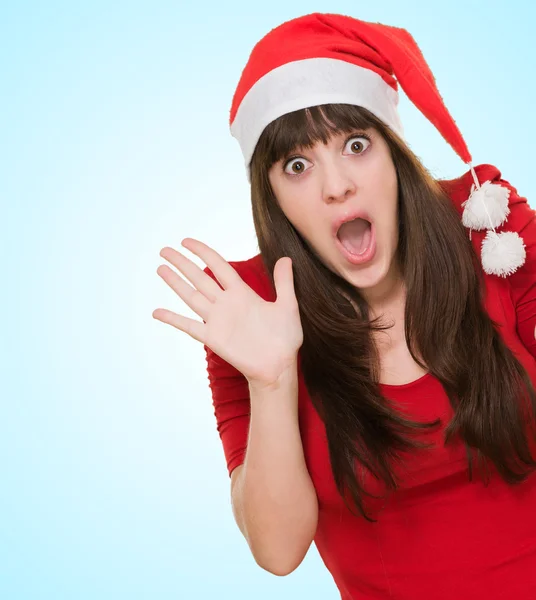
{"points": [[445, 320]]}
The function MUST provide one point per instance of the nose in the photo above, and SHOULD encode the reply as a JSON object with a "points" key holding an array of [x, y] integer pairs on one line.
{"points": [[337, 183]]}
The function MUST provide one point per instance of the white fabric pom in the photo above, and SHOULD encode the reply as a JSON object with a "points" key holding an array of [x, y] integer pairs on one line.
{"points": [[502, 253], [487, 207]]}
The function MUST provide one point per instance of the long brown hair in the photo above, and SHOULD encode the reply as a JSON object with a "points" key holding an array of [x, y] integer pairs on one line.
{"points": [[445, 320]]}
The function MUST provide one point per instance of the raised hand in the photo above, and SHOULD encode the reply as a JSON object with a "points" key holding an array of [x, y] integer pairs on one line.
{"points": [[261, 339]]}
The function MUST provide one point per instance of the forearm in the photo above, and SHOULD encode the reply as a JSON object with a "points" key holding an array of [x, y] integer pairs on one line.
{"points": [[274, 500]]}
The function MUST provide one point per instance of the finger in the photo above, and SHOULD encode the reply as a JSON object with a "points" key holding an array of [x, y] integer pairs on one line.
{"points": [[223, 271], [284, 280], [202, 282], [197, 301], [193, 328]]}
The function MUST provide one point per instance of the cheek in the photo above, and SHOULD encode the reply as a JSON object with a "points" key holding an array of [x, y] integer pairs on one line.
{"points": [[387, 228], [388, 213], [392, 205], [302, 220]]}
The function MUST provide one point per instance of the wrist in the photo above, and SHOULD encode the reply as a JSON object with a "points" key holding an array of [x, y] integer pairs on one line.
{"points": [[288, 378]]}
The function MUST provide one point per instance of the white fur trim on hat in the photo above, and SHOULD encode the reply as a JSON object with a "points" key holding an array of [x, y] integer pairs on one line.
{"points": [[310, 82]]}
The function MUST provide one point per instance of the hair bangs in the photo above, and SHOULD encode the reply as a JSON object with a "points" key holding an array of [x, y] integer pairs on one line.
{"points": [[305, 127]]}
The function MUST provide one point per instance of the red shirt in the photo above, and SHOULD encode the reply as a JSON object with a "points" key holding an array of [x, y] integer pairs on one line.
{"points": [[439, 536]]}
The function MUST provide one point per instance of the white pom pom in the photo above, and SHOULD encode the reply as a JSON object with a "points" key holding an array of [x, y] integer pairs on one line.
{"points": [[502, 253], [490, 199]]}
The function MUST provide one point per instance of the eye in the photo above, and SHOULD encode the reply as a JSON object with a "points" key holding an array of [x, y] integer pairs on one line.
{"points": [[358, 144], [295, 166]]}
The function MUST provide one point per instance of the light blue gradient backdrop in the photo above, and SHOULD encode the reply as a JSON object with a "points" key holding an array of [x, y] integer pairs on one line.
{"points": [[115, 143]]}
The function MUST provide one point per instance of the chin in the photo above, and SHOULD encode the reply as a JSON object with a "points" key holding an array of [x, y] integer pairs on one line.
{"points": [[366, 281], [369, 276]]}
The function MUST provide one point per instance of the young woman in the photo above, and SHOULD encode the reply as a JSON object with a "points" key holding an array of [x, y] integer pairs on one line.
{"points": [[372, 368]]}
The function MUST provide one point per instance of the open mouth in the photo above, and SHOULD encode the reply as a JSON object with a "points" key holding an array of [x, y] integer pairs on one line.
{"points": [[356, 236]]}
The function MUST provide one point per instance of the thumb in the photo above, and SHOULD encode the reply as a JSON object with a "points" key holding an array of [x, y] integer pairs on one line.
{"points": [[284, 280]]}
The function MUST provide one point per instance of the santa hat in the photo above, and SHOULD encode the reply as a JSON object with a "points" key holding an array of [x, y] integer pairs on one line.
{"points": [[327, 58]]}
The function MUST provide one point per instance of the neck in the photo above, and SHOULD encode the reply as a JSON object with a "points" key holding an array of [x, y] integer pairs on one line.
{"points": [[389, 295]]}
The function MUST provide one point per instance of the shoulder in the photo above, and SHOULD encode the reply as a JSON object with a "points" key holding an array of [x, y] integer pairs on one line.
{"points": [[496, 206], [459, 189]]}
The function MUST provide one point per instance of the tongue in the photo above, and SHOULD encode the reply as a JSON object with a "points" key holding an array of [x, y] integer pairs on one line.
{"points": [[355, 235]]}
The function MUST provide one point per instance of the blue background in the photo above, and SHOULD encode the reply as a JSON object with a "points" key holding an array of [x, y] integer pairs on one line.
{"points": [[115, 143]]}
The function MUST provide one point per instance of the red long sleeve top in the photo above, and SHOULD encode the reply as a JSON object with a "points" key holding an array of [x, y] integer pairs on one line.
{"points": [[440, 536]]}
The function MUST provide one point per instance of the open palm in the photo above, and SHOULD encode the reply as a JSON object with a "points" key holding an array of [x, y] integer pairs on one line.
{"points": [[261, 339]]}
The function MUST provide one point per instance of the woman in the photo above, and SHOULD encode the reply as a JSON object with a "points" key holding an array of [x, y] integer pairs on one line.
{"points": [[374, 393]]}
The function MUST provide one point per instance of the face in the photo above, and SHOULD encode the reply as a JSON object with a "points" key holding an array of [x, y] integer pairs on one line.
{"points": [[318, 187]]}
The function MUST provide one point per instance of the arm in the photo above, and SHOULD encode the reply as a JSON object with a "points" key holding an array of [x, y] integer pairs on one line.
{"points": [[274, 500], [522, 219]]}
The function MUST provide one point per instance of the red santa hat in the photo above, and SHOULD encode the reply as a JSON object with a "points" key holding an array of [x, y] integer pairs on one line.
{"points": [[326, 58]]}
